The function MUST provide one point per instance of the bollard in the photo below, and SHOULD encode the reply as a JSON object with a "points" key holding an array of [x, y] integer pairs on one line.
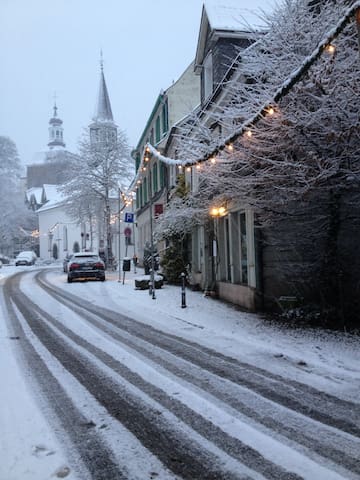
{"points": [[183, 294]]}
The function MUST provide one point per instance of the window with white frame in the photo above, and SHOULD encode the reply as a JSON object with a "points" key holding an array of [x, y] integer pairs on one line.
{"points": [[236, 248]]}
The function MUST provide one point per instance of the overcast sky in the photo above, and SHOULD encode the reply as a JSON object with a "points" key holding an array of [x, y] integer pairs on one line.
{"points": [[54, 46]]}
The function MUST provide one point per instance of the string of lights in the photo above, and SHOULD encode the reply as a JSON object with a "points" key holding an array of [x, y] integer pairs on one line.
{"points": [[326, 46]]}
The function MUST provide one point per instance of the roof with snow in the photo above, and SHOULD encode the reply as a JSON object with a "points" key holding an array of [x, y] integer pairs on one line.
{"points": [[226, 18], [34, 192], [51, 197], [231, 15]]}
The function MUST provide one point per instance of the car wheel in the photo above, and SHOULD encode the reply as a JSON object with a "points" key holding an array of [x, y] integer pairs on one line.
{"points": [[69, 279]]}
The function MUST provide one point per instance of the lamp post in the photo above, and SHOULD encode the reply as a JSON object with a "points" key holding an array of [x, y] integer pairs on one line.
{"points": [[152, 276], [119, 234]]}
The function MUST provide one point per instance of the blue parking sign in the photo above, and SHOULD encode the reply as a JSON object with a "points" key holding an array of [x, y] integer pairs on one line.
{"points": [[129, 217]]}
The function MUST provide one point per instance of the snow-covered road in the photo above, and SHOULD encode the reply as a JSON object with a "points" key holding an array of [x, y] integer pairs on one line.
{"points": [[116, 385]]}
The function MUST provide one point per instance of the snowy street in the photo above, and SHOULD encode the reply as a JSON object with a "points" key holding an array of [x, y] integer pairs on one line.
{"points": [[100, 381]]}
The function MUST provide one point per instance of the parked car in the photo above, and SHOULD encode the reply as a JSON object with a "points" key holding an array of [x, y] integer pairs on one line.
{"points": [[26, 258], [4, 259], [66, 262], [85, 266]]}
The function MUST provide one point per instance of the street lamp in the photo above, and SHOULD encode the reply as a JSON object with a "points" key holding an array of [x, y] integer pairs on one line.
{"points": [[152, 276]]}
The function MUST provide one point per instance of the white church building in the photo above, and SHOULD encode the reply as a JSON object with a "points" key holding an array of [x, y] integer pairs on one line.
{"points": [[59, 233]]}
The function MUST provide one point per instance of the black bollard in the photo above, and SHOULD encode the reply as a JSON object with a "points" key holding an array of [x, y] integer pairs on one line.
{"points": [[183, 294]]}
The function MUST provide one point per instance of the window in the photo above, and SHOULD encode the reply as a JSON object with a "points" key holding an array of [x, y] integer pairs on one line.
{"points": [[243, 249], [234, 245], [208, 76]]}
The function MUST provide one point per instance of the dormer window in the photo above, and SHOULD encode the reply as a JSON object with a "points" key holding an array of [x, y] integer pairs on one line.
{"points": [[208, 76]]}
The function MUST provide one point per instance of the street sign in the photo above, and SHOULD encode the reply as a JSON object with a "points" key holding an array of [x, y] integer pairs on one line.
{"points": [[129, 217], [127, 232]]}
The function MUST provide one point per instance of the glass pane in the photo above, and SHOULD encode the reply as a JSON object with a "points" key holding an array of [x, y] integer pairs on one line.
{"points": [[244, 266]]}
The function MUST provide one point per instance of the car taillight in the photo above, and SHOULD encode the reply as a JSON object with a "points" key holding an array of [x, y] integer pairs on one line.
{"points": [[99, 265], [74, 266]]}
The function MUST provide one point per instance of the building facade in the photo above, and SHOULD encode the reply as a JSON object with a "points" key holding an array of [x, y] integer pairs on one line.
{"points": [[152, 191]]}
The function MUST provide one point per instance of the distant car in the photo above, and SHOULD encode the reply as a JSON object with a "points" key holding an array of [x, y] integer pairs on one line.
{"points": [[4, 259], [85, 266], [66, 262], [26, 258]]}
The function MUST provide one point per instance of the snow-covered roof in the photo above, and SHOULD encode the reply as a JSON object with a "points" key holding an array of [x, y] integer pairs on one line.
{"points": [[233, 14], [35, 192], [53, 197], [38, 157], [227, 18]]}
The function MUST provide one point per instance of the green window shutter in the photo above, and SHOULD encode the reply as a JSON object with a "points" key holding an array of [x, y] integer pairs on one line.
{"points": [[157, 130], [155, 178], [145, 191], [141, 203], [165, 118], [137, 161], [162, 175]]}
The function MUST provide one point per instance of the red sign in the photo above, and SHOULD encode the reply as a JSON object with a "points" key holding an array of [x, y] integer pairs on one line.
{"points": [[127, 232], [158, 207]]}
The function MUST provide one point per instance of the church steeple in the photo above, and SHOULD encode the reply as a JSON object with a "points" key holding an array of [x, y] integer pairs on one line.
{"points": [[103, 112], [55, 131], [103, 127]]}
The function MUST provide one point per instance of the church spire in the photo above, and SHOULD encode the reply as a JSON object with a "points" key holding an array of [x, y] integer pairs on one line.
{"points": [[103, 112], [55, 130], [103, 127]]}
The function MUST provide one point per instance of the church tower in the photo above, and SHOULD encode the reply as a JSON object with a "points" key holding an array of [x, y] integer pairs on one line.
{"points": [[103, 128], [55, 131]]}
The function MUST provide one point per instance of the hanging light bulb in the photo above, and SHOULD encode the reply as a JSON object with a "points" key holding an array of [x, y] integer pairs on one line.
{"points": [[330, 48]]}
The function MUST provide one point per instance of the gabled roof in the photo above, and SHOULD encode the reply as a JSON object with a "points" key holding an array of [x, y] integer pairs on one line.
{"points": [[51, 197], [35, 193], [224, 18]]}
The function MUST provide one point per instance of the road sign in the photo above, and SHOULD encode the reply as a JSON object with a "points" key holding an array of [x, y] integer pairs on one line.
{"points": [[129, 217], [127, 232]]}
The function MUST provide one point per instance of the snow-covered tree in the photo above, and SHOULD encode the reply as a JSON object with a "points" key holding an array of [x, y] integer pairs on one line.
{"points": [[100, 170], [16, 222], [290, 146]]}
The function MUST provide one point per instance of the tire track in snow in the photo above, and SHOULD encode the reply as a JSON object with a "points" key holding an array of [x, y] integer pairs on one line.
{"points": [[180, 454], [299, 397], [313, 443], [95, 456]]}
